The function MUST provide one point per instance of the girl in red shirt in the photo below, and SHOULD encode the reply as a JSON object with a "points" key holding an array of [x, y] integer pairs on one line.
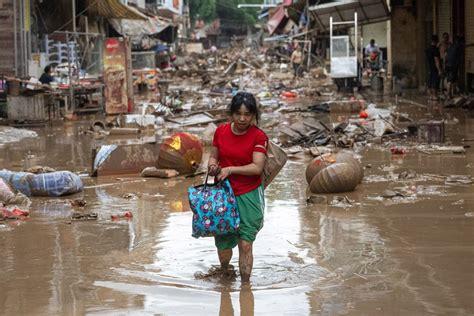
{"points": [[238, 153]]}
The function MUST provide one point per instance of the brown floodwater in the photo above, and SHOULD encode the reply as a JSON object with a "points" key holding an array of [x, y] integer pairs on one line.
{"points": [[411, 255]]}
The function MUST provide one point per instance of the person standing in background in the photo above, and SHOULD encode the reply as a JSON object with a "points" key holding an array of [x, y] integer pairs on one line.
{"points": [[433, 61]]}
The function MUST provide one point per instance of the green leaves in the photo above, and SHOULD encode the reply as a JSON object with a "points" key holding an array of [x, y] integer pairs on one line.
{"points": [[225, 10]]}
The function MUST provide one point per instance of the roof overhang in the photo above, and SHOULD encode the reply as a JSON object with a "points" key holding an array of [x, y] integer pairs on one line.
{"points": [[117, 10], [137, 29], [276, 20], [368, 12]]}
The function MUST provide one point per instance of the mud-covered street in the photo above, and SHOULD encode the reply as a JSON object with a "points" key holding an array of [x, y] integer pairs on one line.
{"points": [[356, 253], [230, 157]]}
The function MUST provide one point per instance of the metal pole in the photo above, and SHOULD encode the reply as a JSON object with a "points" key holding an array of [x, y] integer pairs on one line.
{"points": [[74, 16], [306, 35], [15, 36], [71, 88], [22, 38], [330, 38], [28, 42], [356, 41]]}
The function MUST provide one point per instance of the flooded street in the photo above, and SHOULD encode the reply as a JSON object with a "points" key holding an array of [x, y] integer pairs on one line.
{"points": [[411, 254]]}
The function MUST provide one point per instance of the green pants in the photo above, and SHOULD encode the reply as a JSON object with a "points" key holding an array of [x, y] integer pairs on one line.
{"points": [[251, 207]]}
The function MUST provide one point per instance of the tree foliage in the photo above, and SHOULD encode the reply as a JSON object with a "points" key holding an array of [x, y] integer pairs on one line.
{"points": [[226, 10], [202, 9]]}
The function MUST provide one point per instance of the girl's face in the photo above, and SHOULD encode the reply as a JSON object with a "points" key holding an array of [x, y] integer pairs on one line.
{"points": [[242, 119]]}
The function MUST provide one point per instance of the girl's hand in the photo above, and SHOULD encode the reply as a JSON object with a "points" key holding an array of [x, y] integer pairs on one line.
{"points": [[213, 170], [224, 174]]}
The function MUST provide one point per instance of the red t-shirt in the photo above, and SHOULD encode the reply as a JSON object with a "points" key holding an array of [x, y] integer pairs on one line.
{"points": [[237, 150]]}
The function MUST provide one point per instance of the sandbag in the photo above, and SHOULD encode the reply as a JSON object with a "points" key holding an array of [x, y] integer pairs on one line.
{"points": [[46, 184]]}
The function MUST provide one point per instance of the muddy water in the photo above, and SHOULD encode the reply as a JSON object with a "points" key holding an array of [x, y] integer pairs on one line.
{"points": [[408, 255]]}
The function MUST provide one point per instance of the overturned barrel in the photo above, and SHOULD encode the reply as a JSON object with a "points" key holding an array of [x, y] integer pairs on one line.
{"points": [[335, 178], [334, 173], [317, 164], [348, 158], [182, 152]]}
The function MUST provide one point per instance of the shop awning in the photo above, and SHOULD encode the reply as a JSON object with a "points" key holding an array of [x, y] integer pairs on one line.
{"points": [[278, 17], [137, 29], [117, 10], [368, 11]]}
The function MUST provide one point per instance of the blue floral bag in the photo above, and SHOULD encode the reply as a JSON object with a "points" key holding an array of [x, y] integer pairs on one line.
{"points": [[214, 209]]}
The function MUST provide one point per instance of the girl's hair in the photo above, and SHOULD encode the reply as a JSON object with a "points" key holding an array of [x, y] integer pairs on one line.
{"points": [[246, 99]]}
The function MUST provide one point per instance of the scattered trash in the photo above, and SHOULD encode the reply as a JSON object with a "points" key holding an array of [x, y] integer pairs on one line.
{"points": [[78, 202], [11, 134], [389, 194], [407, 175], [458, 179], [9, 197], [125, 216], [79, 216], [342, 201], [124, 131], [159, 173], [398, 150], [129, 196], [317, 199], [439, 150], [15, 213]]}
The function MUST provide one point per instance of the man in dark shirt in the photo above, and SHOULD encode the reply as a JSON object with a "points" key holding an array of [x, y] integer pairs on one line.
{"points": [[433, 60], [454, 56], [46, 77]]}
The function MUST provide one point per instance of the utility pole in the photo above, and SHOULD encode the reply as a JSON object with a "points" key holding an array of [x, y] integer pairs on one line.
{"points": [[185, 25]]}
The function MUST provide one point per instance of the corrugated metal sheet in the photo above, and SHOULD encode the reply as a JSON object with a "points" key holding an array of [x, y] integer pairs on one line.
{"points": [[116, 9], [276, 18], [22, 108], [368, 11]]}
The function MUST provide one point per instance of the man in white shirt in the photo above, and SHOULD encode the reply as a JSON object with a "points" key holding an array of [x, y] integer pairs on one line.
{"points": [[372, 53]]}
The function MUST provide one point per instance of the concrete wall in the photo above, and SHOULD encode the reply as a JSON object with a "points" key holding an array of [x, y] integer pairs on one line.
{"points": [[404, 43], [377, 31], [445, 13], [469, 35]]}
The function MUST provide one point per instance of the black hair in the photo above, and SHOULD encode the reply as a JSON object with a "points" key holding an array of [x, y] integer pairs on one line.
{"points": [[372, 41], [47, 69], [435, 38], [246, 99]]}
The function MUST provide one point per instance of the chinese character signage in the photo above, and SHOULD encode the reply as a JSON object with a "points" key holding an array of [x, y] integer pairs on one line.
{"points": [[115, 76]]}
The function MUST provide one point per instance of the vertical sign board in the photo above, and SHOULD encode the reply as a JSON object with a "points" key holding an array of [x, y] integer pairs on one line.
{"points": [[115, 76], [175, 6]]}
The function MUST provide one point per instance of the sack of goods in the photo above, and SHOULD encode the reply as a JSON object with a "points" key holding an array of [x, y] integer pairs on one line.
{"points": [[214, 209]]}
